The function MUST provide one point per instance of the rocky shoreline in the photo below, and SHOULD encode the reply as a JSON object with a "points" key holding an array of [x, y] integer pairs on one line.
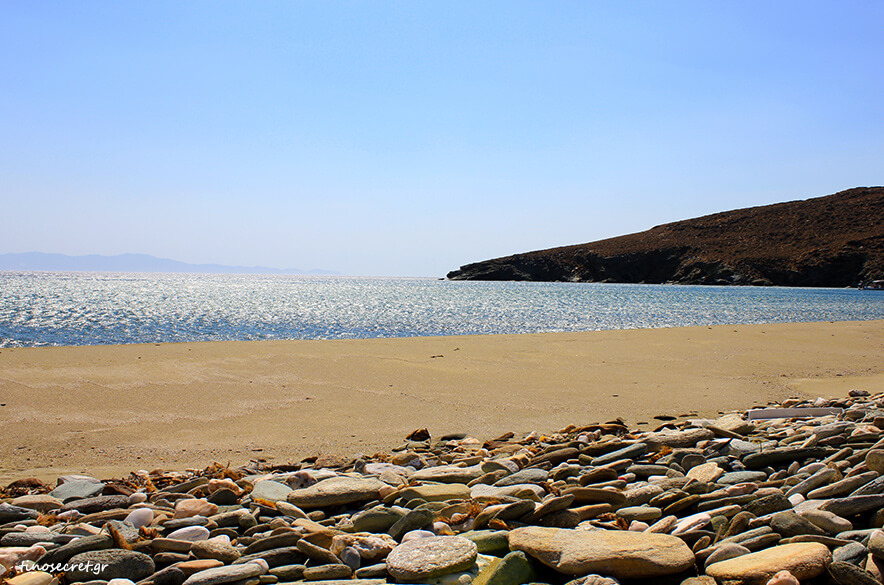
{"points": [[783, 495]]}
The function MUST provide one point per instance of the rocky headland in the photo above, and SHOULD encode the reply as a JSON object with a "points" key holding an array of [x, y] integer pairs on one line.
{"points": [[832, 241], [787, 494]]}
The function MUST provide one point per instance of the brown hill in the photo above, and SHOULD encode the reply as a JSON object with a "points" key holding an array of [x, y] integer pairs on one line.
{"points": [[832, 241]]}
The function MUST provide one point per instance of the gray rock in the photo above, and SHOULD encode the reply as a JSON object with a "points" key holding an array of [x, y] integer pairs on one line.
{"points": [[110, 564], [226, 574], [726, 551], [735, 477], [426, 558], [96, 504], [631, 452], [768, 505], [789, 523], [449, 474], [414, 520], [61, 554], [10, 513], [77, 489], [530, 475]]}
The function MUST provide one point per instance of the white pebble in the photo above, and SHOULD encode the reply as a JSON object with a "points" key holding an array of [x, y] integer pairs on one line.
{"points": [[140, 517], [192, 533], [416, 534], [136, 498]]}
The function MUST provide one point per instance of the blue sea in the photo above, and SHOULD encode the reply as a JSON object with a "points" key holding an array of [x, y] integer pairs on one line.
{"points": [[42, 308]]}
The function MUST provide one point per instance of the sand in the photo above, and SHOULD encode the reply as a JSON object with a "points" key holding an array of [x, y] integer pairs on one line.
{"points": [[109, 410]]}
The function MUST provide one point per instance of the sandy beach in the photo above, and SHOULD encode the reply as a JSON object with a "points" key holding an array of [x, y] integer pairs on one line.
{"points": [[109, 410]]}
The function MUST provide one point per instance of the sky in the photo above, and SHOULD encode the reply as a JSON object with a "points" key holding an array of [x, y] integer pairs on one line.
{"points": [[406, 138]]}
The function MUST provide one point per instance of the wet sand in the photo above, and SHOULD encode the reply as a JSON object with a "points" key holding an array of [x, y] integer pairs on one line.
{"points": [[108, 410]]}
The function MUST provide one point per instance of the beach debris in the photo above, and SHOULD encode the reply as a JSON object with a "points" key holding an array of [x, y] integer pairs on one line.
{"points": [[745, 498]]}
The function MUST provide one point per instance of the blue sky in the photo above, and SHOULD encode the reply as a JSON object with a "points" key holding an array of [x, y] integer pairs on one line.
{"points": [[408, 138]]}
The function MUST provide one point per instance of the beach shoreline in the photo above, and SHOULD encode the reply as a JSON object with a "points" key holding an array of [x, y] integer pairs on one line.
{"points": [[109, 410]]}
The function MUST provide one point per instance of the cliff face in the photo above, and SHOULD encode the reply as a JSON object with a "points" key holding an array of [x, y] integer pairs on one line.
{"points": [[831, 241]]}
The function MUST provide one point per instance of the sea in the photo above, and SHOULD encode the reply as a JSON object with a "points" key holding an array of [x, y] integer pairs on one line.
{"points": [[82, 308]]}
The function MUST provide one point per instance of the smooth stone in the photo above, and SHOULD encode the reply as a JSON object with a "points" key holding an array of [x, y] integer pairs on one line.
{"points": [[622, 554], [238, 518], [288, 572], [436, 492], [31, 578], [789, 523], [676, 439], [449, 474], [228, 574], [489, 542], [781, 455], [61, 554], [41, 502], [110, 564], [849, 574], [427, 558], [414, 520], [272, 491], [734, 423], [327, 572], [726, 551], [783, 578], [640, 513], [195, 507], [854, 505], [377, 519], [77, 489], [706, 473], [827, 521], [876, 544], [803, 560], [530, 475], [513, 569], [212, 549], [336, 491], [281, 540], [96, 504], [843, 487], [735, 477], [140, 517], [223, 497], [875, 460], [588, 495], [630, 452], [190, 533], [290, 510], [768, 505], [876, 486], [853, 552], [640, 495]]}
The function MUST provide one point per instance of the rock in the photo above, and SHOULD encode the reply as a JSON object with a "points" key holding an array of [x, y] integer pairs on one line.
{"points": [[414, 520], [853, 552], [370, 547], [675, 439], [783, 578], [621, 554], [327, 572], [228, 574], [336, 491], [190, 533], [706, 473], [530, 475], [803, 560], [600, 580], [789, 523], [272, 491], [213, 549], [726, 551], [513, 569], [431, 557], [848, 574], [140, 517], [854, 505], [110, 564], [876, 544], [31, 578], [77, 489], [768, 505], [875, 460], [449, 474], [195, 507], [41, 502], [436, 492], [61, 554], [828, 522]]}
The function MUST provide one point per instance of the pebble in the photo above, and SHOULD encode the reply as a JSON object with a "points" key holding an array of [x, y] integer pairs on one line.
{"points": [[692, 501]]}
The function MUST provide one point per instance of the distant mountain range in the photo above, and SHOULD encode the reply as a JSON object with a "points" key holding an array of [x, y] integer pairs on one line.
{"points": [[39, 261], [831, 241]]}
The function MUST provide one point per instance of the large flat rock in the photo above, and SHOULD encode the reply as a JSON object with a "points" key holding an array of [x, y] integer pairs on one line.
{"points": [[805, 560], [621, 554]]}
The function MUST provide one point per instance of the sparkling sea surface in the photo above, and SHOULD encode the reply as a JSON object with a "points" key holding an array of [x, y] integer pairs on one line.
{"points": [[44, 308]]}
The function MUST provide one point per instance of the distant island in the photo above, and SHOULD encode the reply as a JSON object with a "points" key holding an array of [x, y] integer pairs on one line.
{"points": [[832, 241], [38, 261]]}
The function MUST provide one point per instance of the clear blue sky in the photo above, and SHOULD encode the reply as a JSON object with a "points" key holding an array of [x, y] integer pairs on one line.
{"points": [[408, 138]]}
